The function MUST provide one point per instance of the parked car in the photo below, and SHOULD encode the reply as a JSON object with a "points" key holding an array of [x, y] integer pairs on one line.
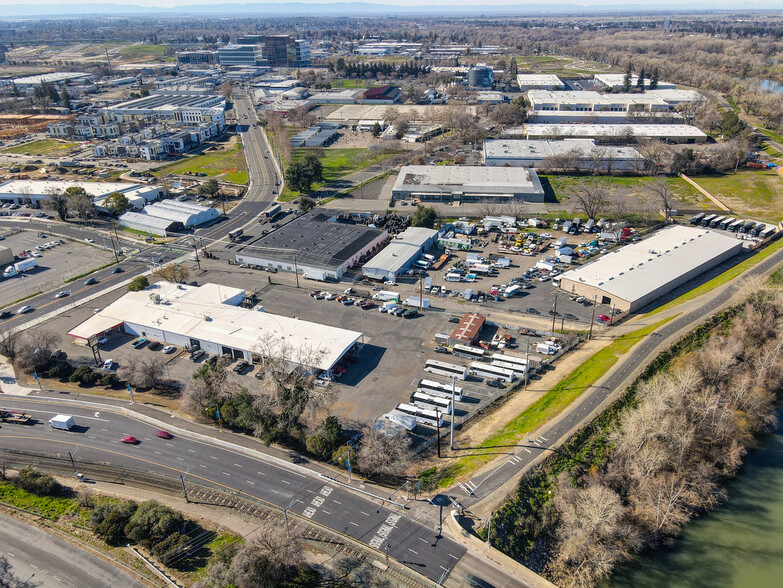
{"points": [[139, 343], [441, 350], [532, 310], [495, 384], [108, 364], [454, 319], [240, 367], [196, 355], [168, 349]]}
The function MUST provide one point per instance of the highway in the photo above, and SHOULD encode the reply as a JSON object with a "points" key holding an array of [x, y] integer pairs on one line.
{"points": [[581, 412], [50, 562], [97, 438]]}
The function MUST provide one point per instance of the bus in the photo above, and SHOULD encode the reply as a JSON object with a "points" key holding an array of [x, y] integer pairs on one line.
{"points": [[697, 218], [726, 222], [270, 213], [735, 225], [423, 415], [434, 388], [422, 263], [443, 404], [449, 370], [490, 371], [717, 221], [474, 353], [235, 234], [505, 357], [519, 370], [705, 222]]}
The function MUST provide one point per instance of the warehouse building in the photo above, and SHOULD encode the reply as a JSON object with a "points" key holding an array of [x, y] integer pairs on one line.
{"points": [[465, 183], [169, 216], [592, 157], [539, 82], [468, 331], [559, 117], [618, 133], [314, 245], [152, 225], [616, 81], [400, 254], [589, 100], [633, 276], [209, 315], [34, 191]]}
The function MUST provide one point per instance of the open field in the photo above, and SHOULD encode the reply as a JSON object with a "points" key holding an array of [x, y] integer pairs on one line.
{"points": [[42, 147], [350, 84], [143, 51], [756, 194], [630, 186], [225, 164]]}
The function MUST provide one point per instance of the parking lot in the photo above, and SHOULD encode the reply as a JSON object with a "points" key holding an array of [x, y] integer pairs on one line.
{"points": [[56, 264]]}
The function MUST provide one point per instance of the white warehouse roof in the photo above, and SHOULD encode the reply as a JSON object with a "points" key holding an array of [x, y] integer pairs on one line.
{"points": [[190, 215], [467, 179], [539, 81], [206, 313], [538, 150], [633, 272], [619, 131]]}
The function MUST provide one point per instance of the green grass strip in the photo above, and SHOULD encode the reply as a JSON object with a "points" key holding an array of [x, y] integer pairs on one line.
{"points": [[723, 278], [52, 507], [549, 405]]}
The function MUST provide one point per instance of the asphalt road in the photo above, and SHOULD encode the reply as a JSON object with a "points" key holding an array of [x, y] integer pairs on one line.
{"points": [[96, 437], [580, 413], [51, 562]]}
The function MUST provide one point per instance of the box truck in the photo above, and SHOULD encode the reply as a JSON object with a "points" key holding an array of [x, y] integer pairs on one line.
{"points": [[19, 267], [61, 421], [384, 295]]}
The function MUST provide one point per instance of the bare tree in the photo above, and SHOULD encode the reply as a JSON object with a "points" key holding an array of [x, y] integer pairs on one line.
{"points": [[591, 198], [143, 371], [658, 156], [35, 349], [382, 453], [176, 273], [661, 193], [10, 341]]}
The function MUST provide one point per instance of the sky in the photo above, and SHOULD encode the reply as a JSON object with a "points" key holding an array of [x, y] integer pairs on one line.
{"points": [[747, 5]]}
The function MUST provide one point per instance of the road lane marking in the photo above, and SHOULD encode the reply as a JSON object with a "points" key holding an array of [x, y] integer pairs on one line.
{"points": [[416, 552], [325, 511], [261, 473], [364, 513], [237, 465], [423, 540], [212, 457], [180, 459], [192, 450], [354, 524], [285, 481], [201, 465], [454, 556], [249, 482], [337, 502], [226, 474]]}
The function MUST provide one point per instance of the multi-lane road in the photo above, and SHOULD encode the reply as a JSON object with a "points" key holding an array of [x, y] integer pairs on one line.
{"points": [[97, 435]]}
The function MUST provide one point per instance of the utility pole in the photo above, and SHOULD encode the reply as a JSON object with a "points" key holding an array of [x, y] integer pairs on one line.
{"points": [[453, 386], [592, 320], [296, 270], [611, 315], [184, 490], [437, 423], [421, 301], [527, 360], [562, 324], [489, 528], [195, 250], [73, 464], [554, 313]]}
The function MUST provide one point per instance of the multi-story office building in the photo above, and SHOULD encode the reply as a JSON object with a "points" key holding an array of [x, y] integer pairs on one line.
{"points": [[279, 50], [195, 57], [302, 53], [241, 55], [480, 76]]}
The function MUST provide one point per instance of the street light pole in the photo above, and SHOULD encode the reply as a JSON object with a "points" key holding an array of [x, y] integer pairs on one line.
{"points": [[592, 319], [554, 313], [453, 386], [527, 359], [437, 423]]}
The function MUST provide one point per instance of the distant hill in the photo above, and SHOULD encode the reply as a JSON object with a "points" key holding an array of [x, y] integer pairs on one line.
{"points": [[360, 9]]}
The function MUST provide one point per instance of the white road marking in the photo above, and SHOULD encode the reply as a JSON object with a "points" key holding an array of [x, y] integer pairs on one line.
{"points": [[416, 552], [201, 465], [526, 449], [159, 453], [249, 482], [423, 540], [326, 511], [354, 524], [226, 474], [454, 556], [192, 450], [337, 502], [212, 457], [364, 513], [261, 473], [273, 490], [237, 465], [285, 481], [180, 459]]}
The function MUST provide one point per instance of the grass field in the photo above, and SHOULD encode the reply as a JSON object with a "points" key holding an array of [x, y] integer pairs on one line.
{"points": [[723, 278], [548, 406], [337, 163], [49, 506], [772, 135], [226, 164], [632, 186], [351, 84], [42, 147], [141, 51], [757, 194]]}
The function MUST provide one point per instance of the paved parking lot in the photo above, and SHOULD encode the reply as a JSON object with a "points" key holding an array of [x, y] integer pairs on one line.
{"points": [[55, 265]]}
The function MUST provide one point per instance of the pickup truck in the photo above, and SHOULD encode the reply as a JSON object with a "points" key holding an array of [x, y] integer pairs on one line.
{"points": [[139, 343]]}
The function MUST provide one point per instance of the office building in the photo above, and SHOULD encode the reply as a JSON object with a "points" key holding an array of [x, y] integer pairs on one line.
{"points": [[247, 55], [481, 75]]}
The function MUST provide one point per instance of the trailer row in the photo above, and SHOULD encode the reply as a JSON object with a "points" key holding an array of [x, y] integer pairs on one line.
{"points": [[733, 225]]}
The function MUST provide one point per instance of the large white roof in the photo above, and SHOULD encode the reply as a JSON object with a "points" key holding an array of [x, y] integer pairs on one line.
{"points": [[607, 130], [537, 150], [93, 189], [526, 80], [633, 271], [201, 312], [467, 178]]}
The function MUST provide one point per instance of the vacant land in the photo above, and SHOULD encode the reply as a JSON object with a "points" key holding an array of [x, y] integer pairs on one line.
{"points": [[143, 51], [631, 187], [756, 194], [42, 147], [227, 164]]}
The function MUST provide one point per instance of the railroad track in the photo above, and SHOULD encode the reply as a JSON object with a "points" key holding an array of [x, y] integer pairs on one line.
{"points": [[196, 493]]}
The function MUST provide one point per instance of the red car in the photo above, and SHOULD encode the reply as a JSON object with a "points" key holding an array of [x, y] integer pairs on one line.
{"points": [[338, 369], [164, 434], [603, 317], [130, 440]]}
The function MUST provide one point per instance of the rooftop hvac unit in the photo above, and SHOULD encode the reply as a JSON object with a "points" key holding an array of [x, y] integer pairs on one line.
{"points": [[207, 318]]}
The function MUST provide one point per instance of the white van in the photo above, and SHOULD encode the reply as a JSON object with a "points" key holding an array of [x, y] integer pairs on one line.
{"points": [[453, 277], [61, 421]]}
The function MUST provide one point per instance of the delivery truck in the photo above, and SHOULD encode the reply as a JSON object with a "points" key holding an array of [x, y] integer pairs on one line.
{"points": [[19, 267], [61, 421]]}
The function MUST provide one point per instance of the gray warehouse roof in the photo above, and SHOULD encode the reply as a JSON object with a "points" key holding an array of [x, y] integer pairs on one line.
{"points": [[146, 220], [316, 238], [633, 271], [402, 250], [523, 149], [467, 178]]}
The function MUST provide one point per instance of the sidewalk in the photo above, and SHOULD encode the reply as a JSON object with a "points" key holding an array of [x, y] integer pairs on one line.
{"points": [[8, 382]]}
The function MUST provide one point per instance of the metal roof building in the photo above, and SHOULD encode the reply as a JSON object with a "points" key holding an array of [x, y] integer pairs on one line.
{"points": [[149, 224], [190, 215], [677, 133], [521, 153], [539, 82], [37, 190], [209, 315], [398, 255], [467, 183], [468, 330], [633, 276], [617, 80], [315, 245]]}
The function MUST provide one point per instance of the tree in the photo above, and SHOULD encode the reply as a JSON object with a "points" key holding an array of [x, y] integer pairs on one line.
{"points": [[731, 125], [640, 80], [117, 203], [401, 126], [318, 445], [152, 522], [591, 198], [138, 284], [513, 68], [210, 188], [684, 161], [306, 204], [57, 202], [382, 453], [65, 99], [10, 341], [376, 129], [425, 216], [176, 272], [228, 90], [80, 202], [627, 78], [302, 174], [36, 482], [143, 371], [35, 352], [661, 193], [654, 78]]}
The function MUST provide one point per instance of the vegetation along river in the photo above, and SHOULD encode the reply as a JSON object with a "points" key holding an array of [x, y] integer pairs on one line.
{"points": [[739, 544]]}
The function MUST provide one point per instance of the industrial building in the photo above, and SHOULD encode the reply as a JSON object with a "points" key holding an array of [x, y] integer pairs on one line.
{"points": [[341, 97], [588, 101], [34, 191], [592, 157], [382, 95], [400, 254], [559, 117], [633, 276], [169, 216], [463, 183], [539, 82], [178, 107], [314, 245], [468, 331], [416, 113], [208, 315], [149, 224], [618, 133]]}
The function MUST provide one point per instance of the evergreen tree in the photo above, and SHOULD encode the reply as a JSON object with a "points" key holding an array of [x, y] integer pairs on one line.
{"points": [[65, 99], [627, 78], [654, 79], [640, 81]]}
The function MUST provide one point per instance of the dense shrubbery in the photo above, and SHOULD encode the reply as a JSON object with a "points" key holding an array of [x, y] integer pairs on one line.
{"points": [[36, 482], [646, 466]]}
